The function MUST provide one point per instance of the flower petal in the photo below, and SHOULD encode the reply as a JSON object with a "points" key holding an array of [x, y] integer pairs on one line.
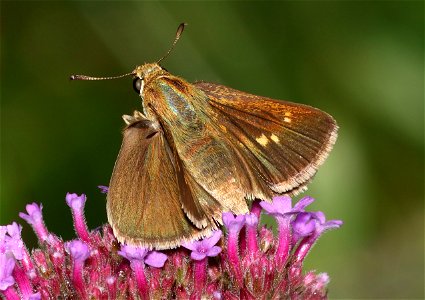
{"points": [[34, 215], [191, 245], [155, 259], [227, 218], [78, 250], [103, 189], [233, 223], [133, 252], [6, 282], [14, 230], [320, 216], [303, 203], [332, 224], [282, 204], [304, 224], [197, 255], [35, 296], [268, 207], [7, 264], [212, 240], [3, 230], [74, 201], [214, 251], [251, 219]]}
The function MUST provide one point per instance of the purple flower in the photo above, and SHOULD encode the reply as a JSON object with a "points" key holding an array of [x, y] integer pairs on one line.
{"points": [[251, 220], [103, 189], [323, 225], [232, 223], [138, 257], [234, 226], [133, 253], [34, 215], [14, 230], [303, 225], [318, 281], [308, 223], [75, 202], [78, 250], [255, 262], [3, 239], [35, 219], [7, 264], [35, 296], [3, 231], [206, 247], [282, 205], [12, 241], [281, 208]]}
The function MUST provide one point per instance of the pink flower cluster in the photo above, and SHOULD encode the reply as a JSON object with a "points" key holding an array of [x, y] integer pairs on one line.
{"points": [[248, 262]]}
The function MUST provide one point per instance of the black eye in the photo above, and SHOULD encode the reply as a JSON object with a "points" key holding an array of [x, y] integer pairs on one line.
{"points": [[137, 84]]}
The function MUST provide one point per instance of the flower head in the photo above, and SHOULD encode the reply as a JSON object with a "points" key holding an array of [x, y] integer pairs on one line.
{"points": [[232, 223], [11, 241], [14, 230], [323, 225], [303, 225], [251, 219], [35, 296], [282, 205], [251, 262], [74, 201], [34, 217], [34, 214], [152, 258], [79, 251], [7, 264], [103, 189], [206, 247]]}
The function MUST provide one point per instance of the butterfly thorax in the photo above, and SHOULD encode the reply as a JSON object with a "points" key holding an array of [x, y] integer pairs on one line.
{"points": [[169, 99]]}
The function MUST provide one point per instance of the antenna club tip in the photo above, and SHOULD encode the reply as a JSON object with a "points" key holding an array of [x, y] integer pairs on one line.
{"points": [[72, 77]]}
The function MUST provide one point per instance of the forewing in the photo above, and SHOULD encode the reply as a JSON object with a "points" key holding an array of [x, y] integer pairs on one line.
{"points": [[283, 142], [144, 203]]}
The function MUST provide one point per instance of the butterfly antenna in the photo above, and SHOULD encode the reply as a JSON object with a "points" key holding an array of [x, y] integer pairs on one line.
{"points": [[84, 77], [176, 39]]}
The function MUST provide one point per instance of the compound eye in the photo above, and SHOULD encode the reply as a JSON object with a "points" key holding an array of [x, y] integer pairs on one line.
{"points": [[137, 84]]}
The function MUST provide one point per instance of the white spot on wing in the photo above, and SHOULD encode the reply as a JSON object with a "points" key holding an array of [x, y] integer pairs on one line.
{"points": [[287, 120], [262, 140], [274, 138]]}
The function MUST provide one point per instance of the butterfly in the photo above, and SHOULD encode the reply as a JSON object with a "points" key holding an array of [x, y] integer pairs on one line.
{"points": [[196, 150]]}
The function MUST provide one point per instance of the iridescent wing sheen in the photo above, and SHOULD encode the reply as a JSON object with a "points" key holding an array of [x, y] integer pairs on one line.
{"points": [[146, 192], [283, 143]]}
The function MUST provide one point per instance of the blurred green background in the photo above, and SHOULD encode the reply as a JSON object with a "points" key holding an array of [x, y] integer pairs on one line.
{"points": [[362, 62]]}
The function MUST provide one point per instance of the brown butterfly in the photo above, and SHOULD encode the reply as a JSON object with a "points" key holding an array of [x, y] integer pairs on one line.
{"points": [[199, 149]]}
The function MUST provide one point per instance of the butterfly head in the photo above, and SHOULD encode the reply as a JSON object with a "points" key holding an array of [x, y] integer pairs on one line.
{"points": [[144, 74]]}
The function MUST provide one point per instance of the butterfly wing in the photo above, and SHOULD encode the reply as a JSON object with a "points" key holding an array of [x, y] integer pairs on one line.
{"points": [[284, 143], [144, 201], [218, 174]]}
